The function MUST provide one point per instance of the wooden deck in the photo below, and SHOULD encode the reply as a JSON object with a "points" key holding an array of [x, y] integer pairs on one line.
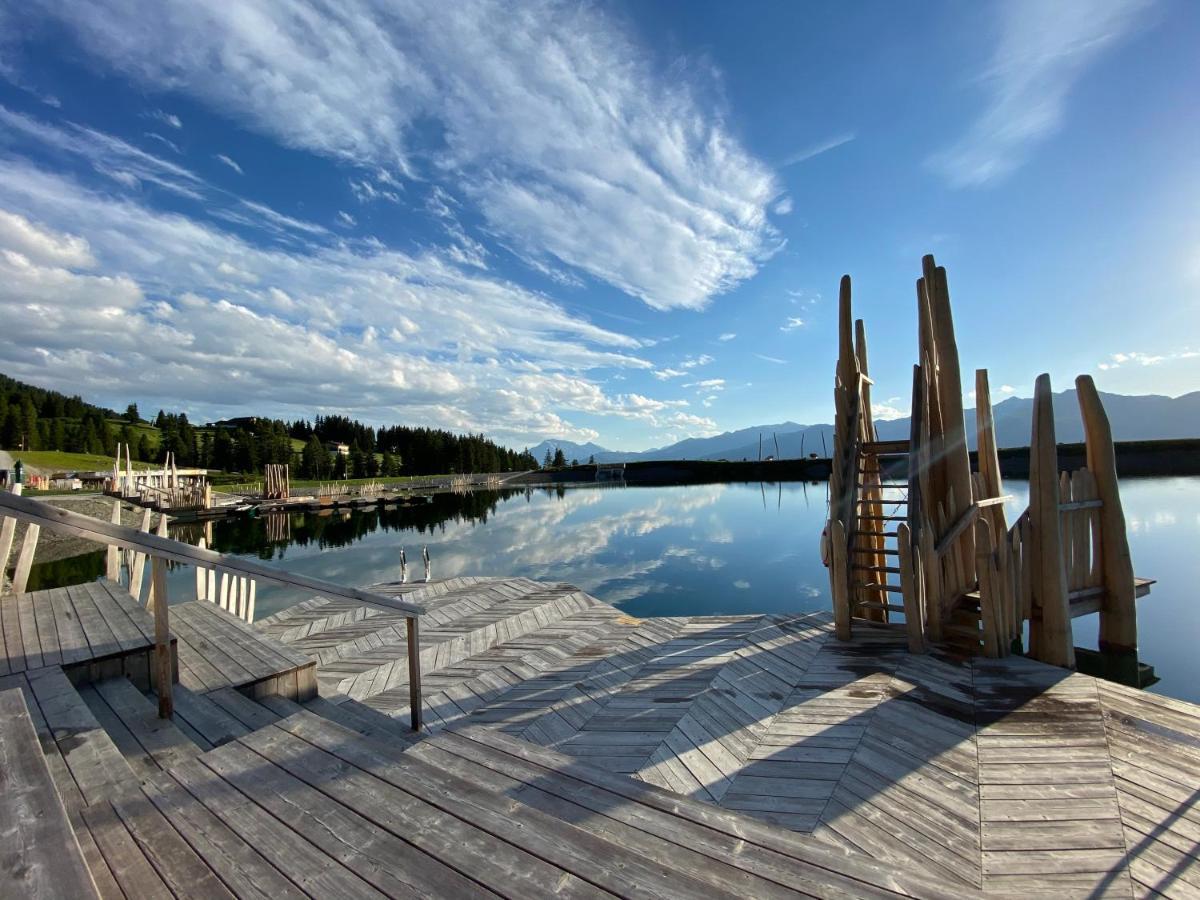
{"points": [[573, 750]]}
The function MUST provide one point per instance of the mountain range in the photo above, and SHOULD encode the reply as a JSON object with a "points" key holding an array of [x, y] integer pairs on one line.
{"points": [[1145, 417]]}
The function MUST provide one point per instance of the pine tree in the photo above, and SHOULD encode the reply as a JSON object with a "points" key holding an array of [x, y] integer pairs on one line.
{"points": [[560, 458]]}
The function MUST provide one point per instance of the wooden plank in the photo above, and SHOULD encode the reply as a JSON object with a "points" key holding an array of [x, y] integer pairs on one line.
{"points": [[234, 860], [25, 558], [305, 864], [129, 866], [72, 640], [42, 857]]}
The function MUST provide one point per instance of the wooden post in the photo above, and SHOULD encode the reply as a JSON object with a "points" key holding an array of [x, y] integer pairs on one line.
{"points": [[1051, 638], [989, 455], [163, 667], [138, 564], [25, 558], [112, 557], [991, 599], [910, 581], [840, 579], [414, 672], [7, 532], [1118, 615], [201, 577]]}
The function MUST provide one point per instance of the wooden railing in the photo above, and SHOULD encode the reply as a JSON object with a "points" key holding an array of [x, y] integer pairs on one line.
{"points": [[162, 550]]}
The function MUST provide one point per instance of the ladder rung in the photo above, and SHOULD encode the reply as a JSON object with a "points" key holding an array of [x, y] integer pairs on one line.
{"points": [[894, 588], [884, 551], [885, 518], [891, 570], [890, 607], [883, 447], [886, 534], [882, 502]]}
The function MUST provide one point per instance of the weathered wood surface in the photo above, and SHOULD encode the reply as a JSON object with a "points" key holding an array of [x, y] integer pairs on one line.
{"points": [[71, 626], [569, 748], [41, 857]]}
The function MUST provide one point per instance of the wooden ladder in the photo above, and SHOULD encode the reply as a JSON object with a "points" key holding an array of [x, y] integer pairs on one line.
{"points": [[880, 505]]}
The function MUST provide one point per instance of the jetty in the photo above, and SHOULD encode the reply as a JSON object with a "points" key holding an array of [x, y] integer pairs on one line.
{"points": [[483, 737]]}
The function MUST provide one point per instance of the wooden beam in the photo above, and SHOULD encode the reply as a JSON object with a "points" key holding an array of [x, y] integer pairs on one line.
{"points": [[965, 521], [25, 558], [839, 576], [1050, 628], [914, 614], [413, 635], [1118, 615], [163, 668]]}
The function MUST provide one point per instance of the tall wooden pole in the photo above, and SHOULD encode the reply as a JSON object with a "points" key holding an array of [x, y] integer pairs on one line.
{"points": [[1118, 616], [988, 454], [1051, 639]]}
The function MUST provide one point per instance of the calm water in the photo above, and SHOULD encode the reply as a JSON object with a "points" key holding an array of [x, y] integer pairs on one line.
{"points": [[710, 549]]}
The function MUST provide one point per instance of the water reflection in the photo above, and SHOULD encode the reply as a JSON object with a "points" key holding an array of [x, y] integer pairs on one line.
{"points": [[707, 549]]}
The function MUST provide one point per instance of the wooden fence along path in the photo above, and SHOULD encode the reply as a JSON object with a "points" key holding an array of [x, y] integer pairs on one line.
{"points": [[913, 533]]}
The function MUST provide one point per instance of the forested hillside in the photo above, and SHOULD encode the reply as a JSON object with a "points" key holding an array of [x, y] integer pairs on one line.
{"points": [[33, 419]]}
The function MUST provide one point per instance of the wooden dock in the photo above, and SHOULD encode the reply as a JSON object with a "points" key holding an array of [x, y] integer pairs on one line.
{"points": [[572, 750]]}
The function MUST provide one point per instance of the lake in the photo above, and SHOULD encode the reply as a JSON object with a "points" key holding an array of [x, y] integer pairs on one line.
{"points": [[696, 550]]}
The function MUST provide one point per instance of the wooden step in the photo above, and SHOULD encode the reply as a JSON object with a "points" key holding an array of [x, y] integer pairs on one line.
{"points": [[86, 764], [147, 742], [874, 551], [871, 586], [883, 534], [885, 518], [884, 501], [41, 856], [205, 721], [883, 448], [891, 570]]}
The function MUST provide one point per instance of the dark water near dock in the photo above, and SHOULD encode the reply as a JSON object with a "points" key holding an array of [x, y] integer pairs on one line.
{"points": [[660, 551]]}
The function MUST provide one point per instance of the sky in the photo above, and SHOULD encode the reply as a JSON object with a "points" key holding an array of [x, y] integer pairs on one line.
{"points": [[622, 223]]}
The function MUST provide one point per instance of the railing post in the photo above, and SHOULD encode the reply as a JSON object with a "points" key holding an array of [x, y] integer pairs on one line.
{"points": [[414, 671], [163, 666], [25, 558]]}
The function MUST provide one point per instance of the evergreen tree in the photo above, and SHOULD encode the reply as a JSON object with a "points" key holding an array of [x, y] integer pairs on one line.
{"points": [[560, 458], [548, 461], [131, 414]]}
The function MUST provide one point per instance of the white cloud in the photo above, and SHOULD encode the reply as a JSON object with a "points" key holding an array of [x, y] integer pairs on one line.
{"points": [[344, 218], [727, 336], [665, 374], [792, 323], [783, 207], [693, 362], [885, 412], [564, 133], [1007, 389], [708, 385], [43, 246], [1042, 50], [229, 162], [771, 359], [1137, 358], [106, 292], [166, 118]]}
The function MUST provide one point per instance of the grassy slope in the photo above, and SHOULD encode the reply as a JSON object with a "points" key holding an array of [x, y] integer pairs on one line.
{"points": [[49, 461]]}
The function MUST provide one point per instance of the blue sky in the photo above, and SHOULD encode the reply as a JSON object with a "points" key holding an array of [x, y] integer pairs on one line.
{"points": [[618, 222]]}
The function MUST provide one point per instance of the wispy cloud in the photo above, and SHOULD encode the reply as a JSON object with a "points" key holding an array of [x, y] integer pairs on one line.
{"points": [[692, 362], [568, 136], [792, 323], [1137, 358], [727, 336], [771, 359], [668, 373], [344, 218], [817, 149], [1042, 51], [166, 118], [783, 207], [221, 157], [155, 136]]}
